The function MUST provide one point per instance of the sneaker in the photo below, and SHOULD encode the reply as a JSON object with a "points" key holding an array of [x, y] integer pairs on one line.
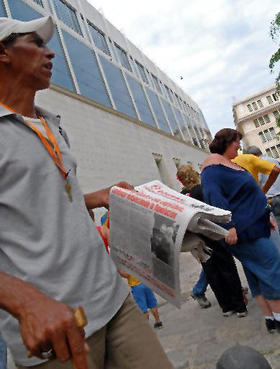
{"points": [[242, 314], [270, 325], [228, 313], [202, 301], [158, 325]]}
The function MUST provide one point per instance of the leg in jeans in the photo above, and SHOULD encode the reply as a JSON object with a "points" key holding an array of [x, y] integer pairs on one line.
{"points": [[200, 287], [3, 354]]}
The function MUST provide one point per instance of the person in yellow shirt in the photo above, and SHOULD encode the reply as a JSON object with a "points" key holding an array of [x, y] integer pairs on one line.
{"points": [[144, 298], [255, 165]]}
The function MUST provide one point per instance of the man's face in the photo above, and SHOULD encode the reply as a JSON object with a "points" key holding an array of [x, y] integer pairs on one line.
{"points": [[29, 61]]}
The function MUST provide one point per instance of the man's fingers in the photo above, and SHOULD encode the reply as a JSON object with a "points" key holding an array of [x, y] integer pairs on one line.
{"points": [[125, 185], [78, 348], [60, 347]]}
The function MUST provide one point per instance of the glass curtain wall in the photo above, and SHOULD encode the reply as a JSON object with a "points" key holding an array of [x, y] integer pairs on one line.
{"points": [[168, 111]]}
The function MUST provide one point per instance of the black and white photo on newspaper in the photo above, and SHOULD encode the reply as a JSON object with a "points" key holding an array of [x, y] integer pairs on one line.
{"points": [[151, 225]]}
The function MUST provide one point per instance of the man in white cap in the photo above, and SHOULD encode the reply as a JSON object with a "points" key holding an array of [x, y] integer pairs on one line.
{"points": [[51, 257]]}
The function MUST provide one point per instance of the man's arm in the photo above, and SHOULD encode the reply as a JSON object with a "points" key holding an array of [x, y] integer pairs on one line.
{"points": [[100, 198], [123, 273], [271, 178], [44, 322]]}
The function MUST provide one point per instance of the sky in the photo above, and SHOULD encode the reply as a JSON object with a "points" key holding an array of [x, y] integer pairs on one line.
{"points": [[221, 48]]}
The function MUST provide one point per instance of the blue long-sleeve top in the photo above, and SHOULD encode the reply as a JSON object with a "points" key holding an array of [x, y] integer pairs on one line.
{"points": [[237, 191]]}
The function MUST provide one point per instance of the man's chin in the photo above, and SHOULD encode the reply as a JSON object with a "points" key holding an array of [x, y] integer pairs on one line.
{"points": [[43, 86]]}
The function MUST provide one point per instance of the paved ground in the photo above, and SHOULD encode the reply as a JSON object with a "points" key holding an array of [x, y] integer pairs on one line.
{"points": [[195, 338]]}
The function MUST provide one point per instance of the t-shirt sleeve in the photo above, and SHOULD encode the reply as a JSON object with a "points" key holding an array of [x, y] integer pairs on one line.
{"points": [[213, 192], [262, 165]]}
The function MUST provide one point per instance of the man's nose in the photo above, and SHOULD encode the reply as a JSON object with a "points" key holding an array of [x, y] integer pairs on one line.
{"points": [[49, 53]]}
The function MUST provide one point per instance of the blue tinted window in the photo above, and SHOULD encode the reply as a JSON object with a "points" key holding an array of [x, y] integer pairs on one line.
{"points": [[67, 15], [61, 74], [123, 57], [199, 136], [158, 111], [133, 65], [149, 78], [171, 118], [141, 71], [86, 70], [2, 9], [118, 88], [168, 93], [156, 82], [99, 39], [22, 11], [185, 126], [181, 122], [140, 101], [39, 2], [177, 100], [191, 130]]}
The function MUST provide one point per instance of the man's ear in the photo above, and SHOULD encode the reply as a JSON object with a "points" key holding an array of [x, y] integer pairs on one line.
{"points": [[4, 58]]}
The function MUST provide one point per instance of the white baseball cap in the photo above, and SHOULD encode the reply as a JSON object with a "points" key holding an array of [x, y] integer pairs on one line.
{"points": [[44, 27]]}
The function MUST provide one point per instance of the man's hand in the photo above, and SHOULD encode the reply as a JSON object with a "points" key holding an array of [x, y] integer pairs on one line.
{"points": [[47, 324], [231, 238], [101, 198]]}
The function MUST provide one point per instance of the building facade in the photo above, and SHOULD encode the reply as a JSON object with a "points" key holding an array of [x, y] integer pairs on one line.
{"points": [[255, 116], [125, 118]]}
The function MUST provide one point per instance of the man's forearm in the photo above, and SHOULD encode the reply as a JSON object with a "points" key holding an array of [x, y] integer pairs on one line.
{"points": [[100, 198], [97, 199], [271, 179], [45, 323], [15, 294]]}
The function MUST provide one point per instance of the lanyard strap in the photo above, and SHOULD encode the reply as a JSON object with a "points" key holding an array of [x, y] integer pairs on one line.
{"points": [[53, 151]]}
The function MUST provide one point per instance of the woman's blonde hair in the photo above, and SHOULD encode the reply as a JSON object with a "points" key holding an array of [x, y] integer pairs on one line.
{"points": [[188, 176]]}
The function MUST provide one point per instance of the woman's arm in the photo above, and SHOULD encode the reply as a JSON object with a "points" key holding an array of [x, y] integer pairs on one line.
{"points": [[213, 194]]}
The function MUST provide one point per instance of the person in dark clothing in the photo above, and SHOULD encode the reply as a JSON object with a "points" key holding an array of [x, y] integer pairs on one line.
{"points": [[220, 268]]}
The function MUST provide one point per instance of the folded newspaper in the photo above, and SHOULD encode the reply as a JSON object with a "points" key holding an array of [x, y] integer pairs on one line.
{"points": [[151, 225]]}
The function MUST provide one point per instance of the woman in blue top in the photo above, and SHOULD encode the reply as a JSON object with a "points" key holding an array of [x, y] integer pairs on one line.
{"points": [[228, 186]]}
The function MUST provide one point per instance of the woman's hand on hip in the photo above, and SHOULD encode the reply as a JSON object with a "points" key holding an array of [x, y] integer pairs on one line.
{"points": [[231, 238]]}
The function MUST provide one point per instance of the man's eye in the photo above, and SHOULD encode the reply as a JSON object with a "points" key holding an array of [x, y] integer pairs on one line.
{"points": [[39, 42]]}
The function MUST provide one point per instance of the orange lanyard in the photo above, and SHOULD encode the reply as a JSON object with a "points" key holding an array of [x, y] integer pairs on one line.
{"points": [[53, 151]]}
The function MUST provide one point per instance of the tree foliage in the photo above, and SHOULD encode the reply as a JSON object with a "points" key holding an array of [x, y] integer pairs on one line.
{"points": [[275, 58], [275, 35]]}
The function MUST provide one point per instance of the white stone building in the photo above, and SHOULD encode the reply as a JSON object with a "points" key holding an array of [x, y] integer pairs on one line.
{"points": [[255, 116], [126, 119]]}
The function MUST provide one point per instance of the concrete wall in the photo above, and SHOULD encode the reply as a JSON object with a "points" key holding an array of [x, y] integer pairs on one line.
{"points": [[110, 146]]}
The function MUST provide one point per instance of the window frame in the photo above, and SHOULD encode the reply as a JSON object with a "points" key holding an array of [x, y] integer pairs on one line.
{"points": [[101, 33], [121, 53]]}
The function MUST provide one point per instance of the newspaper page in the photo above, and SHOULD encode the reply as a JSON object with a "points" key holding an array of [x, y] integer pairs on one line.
{"points": [[150, 226]]}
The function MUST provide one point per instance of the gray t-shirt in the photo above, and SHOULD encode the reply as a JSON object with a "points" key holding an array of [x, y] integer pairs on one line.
{"points": [[44, 238]]}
